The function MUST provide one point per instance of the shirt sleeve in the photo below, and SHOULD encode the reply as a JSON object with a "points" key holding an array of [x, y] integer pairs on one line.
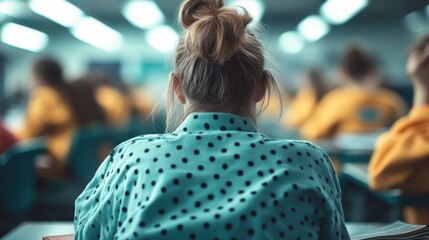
{"points": [[87, 205], [398, 152], [333, 226]]}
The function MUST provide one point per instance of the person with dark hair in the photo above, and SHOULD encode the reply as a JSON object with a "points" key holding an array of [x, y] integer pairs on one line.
{"points": [[83, 102], [360, 105], [401, 157], [48, 112], [311, 91], [214, 176]]}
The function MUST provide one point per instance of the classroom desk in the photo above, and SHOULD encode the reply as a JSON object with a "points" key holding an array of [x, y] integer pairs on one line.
{"points": [[358, 173], [37, 230]]}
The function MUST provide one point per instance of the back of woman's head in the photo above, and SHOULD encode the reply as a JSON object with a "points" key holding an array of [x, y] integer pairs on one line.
{"points": [[356, 63], [48, 71], [83, 102], [219, 62]]}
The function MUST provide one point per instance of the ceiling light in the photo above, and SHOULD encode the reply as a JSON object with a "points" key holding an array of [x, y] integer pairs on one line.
{"points": [[143, 13], [256, 8], [340, 11], [98, 34], [12, 8], [163, 38], [415, 22], [312, 28], [290, 42], [23, 37], [59, 11]]}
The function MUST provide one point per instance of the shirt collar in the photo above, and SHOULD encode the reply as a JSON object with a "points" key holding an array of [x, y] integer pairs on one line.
{"points": [[215, 121]]}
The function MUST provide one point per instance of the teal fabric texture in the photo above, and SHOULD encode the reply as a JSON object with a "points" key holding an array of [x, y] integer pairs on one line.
{"points": [[215, 177]]}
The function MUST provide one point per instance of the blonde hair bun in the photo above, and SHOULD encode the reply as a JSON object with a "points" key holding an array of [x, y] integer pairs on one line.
{"points": [[214, 32]]}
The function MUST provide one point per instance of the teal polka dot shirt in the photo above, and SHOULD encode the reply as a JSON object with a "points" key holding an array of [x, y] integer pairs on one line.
{"points": [[215, 177]]}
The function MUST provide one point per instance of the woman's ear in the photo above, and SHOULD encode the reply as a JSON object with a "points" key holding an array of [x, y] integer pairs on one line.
{"points": [[261, 86], [178, 90]]}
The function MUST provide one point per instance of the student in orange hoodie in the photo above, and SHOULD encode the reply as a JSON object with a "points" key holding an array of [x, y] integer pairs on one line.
{"points": [[49, 113], [401, 158], [359, 105], [308, 96]]}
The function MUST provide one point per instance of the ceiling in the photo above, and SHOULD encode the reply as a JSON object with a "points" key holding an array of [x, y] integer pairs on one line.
{"points": [[278, 12]]}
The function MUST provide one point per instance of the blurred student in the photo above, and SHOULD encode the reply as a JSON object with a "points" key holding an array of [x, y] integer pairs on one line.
{"points": [[48, 112], [401, 158], [115, 104], [82, 98], [215, 176], [308, 96], [6, 138], [359, 105]]}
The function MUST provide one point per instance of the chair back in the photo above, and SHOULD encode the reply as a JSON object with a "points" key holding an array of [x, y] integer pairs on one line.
{"points": [[90, 146], [17, 178]]}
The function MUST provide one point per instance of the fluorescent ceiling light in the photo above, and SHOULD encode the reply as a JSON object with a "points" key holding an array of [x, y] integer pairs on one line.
{"points": [[59, 11], [256, 8], [12, 8], [23, 37], [143, 13], [312, 28], [415, 22], [290, 42], [162, 38], [97, 34], [340, 11]]}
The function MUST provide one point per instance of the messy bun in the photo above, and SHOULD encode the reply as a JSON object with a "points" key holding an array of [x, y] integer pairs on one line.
{"points": [[213, 31], [219, 62]]}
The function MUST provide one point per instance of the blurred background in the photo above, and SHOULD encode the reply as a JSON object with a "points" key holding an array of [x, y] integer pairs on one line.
{"points": [[125, 49]]}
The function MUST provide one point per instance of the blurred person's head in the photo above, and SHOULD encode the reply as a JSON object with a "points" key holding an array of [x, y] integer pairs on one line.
{"points": [[357, 66], [219, 64], [47, 71], [314, 80], [83, 102], [418, 70]]}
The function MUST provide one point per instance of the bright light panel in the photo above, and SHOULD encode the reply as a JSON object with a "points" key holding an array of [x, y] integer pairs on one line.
{"points": [[59, 11], [97, 34], [162, 38], [415, 22], [312, 28], [143, 14], [340, 11], [23, 37], [290, 42], [256, 8], [12, 8]]}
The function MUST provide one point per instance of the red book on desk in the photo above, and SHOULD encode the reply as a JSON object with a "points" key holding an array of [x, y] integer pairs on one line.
{"points": [[62, 237]]}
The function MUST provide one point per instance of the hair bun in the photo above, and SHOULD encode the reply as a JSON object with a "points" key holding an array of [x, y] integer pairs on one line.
{"points": [[193, 10], [213, 32]]}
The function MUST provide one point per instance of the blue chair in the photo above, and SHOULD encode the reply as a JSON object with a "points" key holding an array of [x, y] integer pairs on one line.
{"points": [[17, 178], [89, 148]]}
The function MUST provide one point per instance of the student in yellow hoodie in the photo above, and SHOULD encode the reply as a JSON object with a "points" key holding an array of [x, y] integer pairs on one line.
{"points": [[308, 96], [401, 158], [116, 106], [359, 105], [48, 112]]}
